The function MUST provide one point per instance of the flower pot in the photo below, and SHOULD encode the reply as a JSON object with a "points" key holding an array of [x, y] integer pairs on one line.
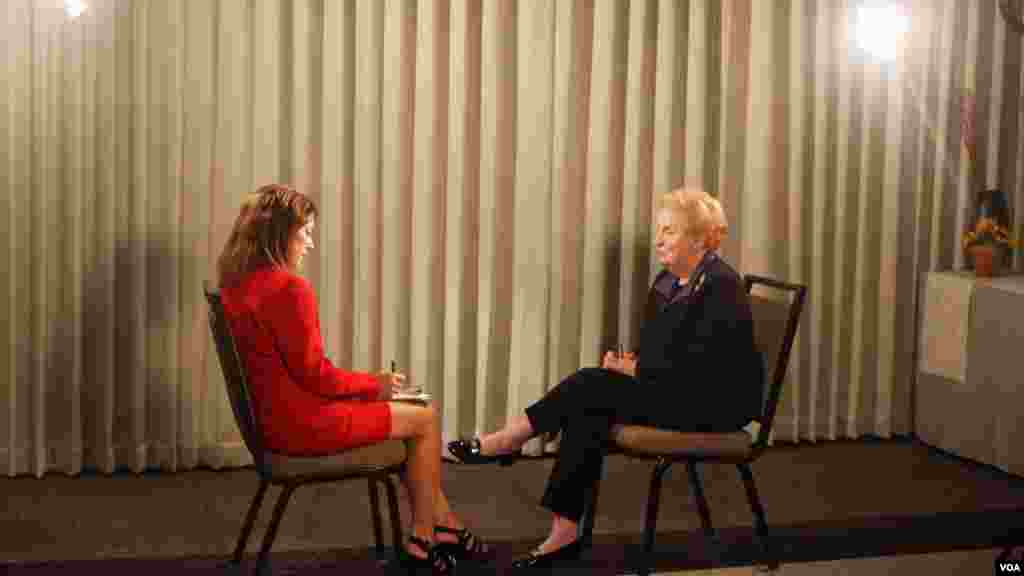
{"points": [[986, 260]]}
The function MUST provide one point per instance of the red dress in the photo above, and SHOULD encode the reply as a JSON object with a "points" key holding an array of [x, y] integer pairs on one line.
{"points": [[304, 404]]}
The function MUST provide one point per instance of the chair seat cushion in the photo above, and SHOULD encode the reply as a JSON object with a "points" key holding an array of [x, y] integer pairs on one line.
{"points": [[366, 459], [645, 440]]}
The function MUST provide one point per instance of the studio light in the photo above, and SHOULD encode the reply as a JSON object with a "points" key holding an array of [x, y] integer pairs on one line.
{"points": [[880, 28], [74, 8]]}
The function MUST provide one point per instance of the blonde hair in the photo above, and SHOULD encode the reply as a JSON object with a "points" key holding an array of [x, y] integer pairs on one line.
{"points": [[720, 226], [696, 209], [266, 222]]}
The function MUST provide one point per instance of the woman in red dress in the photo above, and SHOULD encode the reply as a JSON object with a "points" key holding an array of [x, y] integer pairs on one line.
{"points": [[306, 405]]}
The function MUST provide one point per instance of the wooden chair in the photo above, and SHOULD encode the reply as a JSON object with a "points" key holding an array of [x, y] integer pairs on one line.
{"points": [[375, 463], [775, 325]]}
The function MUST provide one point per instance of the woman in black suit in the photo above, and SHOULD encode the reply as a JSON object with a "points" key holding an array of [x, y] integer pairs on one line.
{"points": [[697, 369]]}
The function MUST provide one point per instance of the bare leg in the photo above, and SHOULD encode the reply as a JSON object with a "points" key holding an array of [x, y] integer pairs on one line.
{"points": [[419, 425], [443, 516], [509, 439], [563, 532]]}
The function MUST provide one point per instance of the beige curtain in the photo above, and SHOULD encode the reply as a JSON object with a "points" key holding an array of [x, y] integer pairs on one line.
{"points": [[486, 174]]}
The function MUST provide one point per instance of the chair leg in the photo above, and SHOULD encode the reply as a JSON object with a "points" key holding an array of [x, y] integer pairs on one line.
{"points": [[651, 517], [378, 531], [703, 510], [396, 517], [700, 499], [250, 519], [268, 538], [759, 521]]}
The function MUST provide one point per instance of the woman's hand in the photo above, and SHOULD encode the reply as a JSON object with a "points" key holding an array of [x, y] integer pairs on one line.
{"points": [[624, 363], [390, 384], [610, 361], [628, 364]]}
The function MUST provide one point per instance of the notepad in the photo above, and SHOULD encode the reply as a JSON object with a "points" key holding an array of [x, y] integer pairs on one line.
{"points": [[407, 397]]}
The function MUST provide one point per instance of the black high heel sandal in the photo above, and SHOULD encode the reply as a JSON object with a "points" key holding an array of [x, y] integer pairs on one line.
{"points": [[468, 548], [437, 561], [468, 452]]}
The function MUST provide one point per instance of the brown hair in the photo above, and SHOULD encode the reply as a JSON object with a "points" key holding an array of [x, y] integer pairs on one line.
{"points": [[260, 236]]}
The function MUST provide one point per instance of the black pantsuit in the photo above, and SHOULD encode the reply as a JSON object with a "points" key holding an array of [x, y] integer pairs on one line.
{"points": [[698, 370], [584, 406]]}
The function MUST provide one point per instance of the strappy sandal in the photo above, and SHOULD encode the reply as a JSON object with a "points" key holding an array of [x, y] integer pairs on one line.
{"points": [[437, 561], [469, 547]]}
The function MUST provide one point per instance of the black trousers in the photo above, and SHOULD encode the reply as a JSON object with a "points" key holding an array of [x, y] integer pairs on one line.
{"points": [[583, 407]]}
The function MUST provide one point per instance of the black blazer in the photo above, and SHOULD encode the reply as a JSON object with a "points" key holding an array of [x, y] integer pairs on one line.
{"points": [[698, 353]]}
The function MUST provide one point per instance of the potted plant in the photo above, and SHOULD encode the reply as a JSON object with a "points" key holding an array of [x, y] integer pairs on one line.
{"points": [[985, 244]]}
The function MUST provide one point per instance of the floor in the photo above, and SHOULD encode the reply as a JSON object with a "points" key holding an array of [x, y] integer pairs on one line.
{"points": [[929, 513], [957, 563]]}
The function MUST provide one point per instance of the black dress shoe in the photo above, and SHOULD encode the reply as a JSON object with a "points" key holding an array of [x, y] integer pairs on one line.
{"points": [[468, 452], [537, 561]]}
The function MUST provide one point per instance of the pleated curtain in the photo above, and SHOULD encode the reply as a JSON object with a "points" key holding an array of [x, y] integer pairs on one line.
{"points": [[487, 173]]}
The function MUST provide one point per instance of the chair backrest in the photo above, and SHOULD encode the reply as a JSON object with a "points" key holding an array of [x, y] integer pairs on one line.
{"points": [[776, 307], [235, 379]]}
